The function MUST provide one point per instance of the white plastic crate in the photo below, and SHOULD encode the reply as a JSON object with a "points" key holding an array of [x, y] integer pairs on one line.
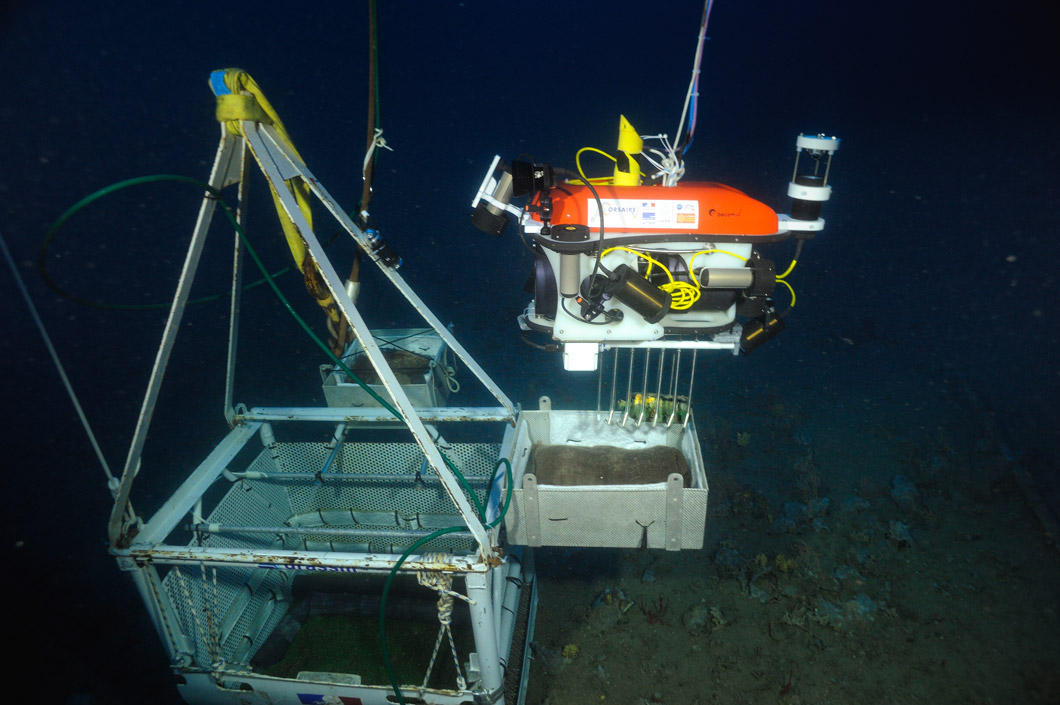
{"points": [[666, 511]]}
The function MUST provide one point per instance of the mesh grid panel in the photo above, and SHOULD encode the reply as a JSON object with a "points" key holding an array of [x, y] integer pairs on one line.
{"points": [[237, 607], [401, 503], [402, 460], [242, 605]]}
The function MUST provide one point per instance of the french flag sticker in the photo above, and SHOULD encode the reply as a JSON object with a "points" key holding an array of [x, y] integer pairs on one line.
{"points": [[315, 699]]}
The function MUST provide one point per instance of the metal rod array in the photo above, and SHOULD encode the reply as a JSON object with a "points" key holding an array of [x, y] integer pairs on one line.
{"points": [[657, 385]]}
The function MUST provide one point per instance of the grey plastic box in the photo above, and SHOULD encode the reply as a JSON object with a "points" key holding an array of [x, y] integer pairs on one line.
{"points": [[658, 515]]}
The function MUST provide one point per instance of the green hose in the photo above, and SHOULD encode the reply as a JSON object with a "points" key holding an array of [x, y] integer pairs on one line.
{"points": [[42, 250], [267, 279]]}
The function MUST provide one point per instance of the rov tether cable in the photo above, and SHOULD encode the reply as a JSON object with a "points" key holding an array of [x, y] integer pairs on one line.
{"points": [[692, 97]]}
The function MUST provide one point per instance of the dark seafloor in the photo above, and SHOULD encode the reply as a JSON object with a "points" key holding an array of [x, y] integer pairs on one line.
{"points": [[868, 539]]}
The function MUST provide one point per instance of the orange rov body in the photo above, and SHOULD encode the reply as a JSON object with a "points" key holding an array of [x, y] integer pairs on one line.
{"points": [[692, 208]]}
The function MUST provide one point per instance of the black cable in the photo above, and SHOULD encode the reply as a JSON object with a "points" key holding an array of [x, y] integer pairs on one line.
{"points": [[600, 242], [548, 347], [563, 304]]}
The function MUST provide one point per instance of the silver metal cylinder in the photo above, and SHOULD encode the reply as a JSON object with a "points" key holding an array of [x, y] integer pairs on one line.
{"points": [[485, 630], [727, 278], [569, 275]]}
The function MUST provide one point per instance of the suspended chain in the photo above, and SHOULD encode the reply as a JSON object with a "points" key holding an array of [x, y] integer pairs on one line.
{"points": [[211, 606]]}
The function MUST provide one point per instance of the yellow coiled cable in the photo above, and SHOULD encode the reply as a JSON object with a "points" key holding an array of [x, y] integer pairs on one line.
{"points": [[682, 294]]}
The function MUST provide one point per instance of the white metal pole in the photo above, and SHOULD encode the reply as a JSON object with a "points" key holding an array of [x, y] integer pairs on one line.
{"points": [[482, 624], [398, 281], [218, 174]]}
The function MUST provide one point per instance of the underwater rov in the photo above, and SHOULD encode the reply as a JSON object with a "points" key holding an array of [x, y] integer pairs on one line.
{"points": [[641, 261]]}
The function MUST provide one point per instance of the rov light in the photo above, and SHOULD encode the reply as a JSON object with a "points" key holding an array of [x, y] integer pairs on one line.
{"points": [[530, 178], [488, 217], [492, 204]]}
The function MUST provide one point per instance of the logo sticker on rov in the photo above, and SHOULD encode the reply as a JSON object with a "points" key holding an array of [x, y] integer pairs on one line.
{"points": [[630, 214]]}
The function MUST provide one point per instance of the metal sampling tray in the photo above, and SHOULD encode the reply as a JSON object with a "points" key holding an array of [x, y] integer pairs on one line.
{"points": [[580, 481]]}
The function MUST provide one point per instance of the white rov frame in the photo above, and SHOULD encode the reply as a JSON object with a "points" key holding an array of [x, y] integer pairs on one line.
{"points": [[492, 580]]}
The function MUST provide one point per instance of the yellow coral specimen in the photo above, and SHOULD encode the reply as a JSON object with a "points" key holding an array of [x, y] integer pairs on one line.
{"points": [[785, 564], [743, 439], [570, 651]]}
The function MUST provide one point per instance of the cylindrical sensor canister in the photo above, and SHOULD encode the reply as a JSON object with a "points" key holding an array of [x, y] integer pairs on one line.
{"points": [[629, 287], [569, 275], [570, 264]]}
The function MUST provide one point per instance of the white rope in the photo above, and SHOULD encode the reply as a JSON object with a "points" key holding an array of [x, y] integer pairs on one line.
{"points": [[448, 374], [443, 584], [378, 141]]}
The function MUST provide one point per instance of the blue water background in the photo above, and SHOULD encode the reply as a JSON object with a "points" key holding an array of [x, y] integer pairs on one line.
{"points": [[937, 268]]}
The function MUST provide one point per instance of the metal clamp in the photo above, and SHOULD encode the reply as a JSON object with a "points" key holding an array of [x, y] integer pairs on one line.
{"points": [[531, 514], [675, 488]]}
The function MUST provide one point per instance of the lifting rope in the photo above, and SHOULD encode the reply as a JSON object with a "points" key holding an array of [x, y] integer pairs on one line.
{"points": [[375, 133], [342, 334], [246, 101], [443, 584], [112, 481]]}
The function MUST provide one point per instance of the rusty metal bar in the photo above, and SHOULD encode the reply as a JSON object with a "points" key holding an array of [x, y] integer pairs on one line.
{"points": [[326, 561], [398, 534]]}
